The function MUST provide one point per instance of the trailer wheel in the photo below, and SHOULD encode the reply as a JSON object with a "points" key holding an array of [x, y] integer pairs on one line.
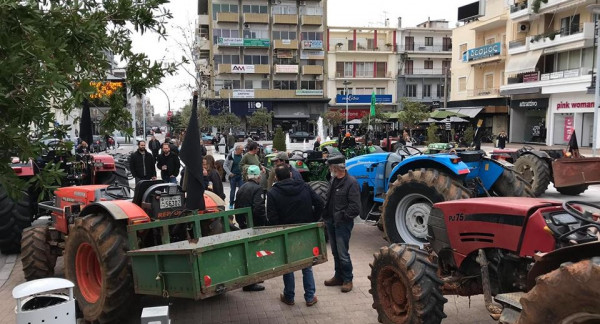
{"points": [[512, 184], [534, 170], [14, 217], [38, 261], [568, 294], [572, 190], [96, 260], [405, 286], [409, 200]]}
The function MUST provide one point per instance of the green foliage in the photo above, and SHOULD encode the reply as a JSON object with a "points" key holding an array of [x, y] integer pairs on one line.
{"points": [[260, 118], [226, 120], [279, 140], [333, 118], [535, 6], [469, 134], [51, 51], [377, 119], [432, 136], [412, 114]]}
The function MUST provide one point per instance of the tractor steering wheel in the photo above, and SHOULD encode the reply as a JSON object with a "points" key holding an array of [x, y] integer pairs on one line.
{"points": [[297, 151], [123, 193], [409, 150], [585, 216], [528, 148]]}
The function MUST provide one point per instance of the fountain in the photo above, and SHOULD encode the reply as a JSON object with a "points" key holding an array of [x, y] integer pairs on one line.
{"points": [[288, 142], [304, 145], [320, 130]]}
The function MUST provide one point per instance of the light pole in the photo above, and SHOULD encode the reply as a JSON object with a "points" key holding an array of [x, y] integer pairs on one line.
{"points": [[346, 84], [168, 105], [596, 10]]}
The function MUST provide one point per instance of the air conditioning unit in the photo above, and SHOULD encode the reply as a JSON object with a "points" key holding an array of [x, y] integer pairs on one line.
{"points": [[319, 77], [523, 27], [303, 3]]}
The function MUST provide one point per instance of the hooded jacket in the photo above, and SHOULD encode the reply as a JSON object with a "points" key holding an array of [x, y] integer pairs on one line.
{"points": [[293, 202]]}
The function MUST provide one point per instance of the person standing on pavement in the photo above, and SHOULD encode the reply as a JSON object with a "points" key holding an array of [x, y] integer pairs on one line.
{"points": [[281, 158], [317, 144], [251, 195], [502, 137], [154, 146], [168, 164], [291, 201], [141, 164], [341, 207], [230, 141], [212, 178], [234, 171], [250, 158]]}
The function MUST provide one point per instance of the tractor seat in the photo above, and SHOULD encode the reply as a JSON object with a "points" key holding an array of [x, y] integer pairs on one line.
{"points": [[141, 188]]}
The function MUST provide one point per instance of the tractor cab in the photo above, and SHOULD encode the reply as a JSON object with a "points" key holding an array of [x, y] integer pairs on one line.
{"points": [[158, 199]]}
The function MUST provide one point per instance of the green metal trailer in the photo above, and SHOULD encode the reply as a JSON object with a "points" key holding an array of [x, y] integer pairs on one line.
{"points": [[201, 267]]}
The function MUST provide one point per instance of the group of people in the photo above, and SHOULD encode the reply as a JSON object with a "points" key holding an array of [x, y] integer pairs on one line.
{"points": [[143, 164]]}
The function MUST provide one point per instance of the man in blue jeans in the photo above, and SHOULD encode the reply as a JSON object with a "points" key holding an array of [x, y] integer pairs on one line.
{"points": [[292, 201], [234, 171], [341, 207]]}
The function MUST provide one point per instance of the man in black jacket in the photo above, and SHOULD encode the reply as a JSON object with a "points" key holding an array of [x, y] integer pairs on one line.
{"points": [[341, 207], [154, 146], [168, 164], [141, 164], [292, 201]]}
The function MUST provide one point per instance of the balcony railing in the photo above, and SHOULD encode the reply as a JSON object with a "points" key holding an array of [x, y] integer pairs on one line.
{"points": [[517, 43], [566, 31], [483, 92], [379, 75], [537, 76], [518, 6], [425, 48], [362, 48], [422, 71]]}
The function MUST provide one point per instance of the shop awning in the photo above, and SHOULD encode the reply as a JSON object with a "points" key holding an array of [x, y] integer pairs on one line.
{"points": [[470, 112], [522, 63]]}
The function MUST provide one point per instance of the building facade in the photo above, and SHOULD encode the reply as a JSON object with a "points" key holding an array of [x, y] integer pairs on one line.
{"points": [[361, 61], [258, 54], [548, 71], [478, 63], [425, 54]]}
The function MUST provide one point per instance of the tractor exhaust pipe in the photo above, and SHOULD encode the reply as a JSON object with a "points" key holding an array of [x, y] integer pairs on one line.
{"points": [[494, 309]]}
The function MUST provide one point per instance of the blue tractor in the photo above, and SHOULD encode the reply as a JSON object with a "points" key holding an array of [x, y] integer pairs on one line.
{"points": [[398, 189]]}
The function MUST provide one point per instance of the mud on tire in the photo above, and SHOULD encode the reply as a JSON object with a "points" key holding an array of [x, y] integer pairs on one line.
{"points": [[512, 184], [321, 188], [96, 260], [14, 217], [568, 292], [536, 171], [405, 286], [36, 256]]}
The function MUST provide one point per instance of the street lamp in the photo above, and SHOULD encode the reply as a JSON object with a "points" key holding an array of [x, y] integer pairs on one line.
{"points": [[168, 105], [595, 8], [346, 83]]}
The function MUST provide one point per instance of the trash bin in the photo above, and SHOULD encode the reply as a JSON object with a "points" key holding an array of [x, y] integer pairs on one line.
{"points": [[222, 148], [36, 303]]}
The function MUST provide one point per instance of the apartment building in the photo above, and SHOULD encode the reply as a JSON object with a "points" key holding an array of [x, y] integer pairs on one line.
{"points": [[264, 54], [478, 63], [548, 71], [425, 54], [361, 60]]}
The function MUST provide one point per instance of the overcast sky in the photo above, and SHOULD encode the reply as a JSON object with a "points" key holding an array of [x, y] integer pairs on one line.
{"points": [[341, 13]]}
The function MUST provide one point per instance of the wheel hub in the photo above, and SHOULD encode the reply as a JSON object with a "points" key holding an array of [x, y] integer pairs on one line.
{"points": [[393, 294], [88, 272], [527, 173], [412, 215]]}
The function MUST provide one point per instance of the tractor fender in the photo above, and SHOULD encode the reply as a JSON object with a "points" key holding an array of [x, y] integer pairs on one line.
{"points": [[441, 162], [120, 210], [540, 154]]}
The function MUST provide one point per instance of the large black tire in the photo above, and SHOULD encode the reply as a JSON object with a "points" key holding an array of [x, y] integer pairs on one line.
{"points": [[569, 292], [118, 176], [511, 184], [534, 170], [572, 190], [405, 286], [96, 260], [14, 217], [409, 200], [36, 255], [321, 188]]}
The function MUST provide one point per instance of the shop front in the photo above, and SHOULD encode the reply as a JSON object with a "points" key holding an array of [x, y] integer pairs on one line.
{"points": [[528, 120], [572, 112]]}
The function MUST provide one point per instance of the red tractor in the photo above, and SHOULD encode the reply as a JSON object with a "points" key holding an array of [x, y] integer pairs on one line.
{"points": [[539, 259]]}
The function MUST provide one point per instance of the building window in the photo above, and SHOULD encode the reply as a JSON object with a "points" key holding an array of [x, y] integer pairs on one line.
{"points": [[462, 84], [223, 7], [227, 84], [428, 64], [311, 85], [363, 91], [203, 31], [311, 11], [490, 41], [381, 69], [488, 81], [284, 34], [348, 69], [428, 41], [247, 33], [264, 84], [440, 91], [411, 90], [285, 84], [364, 69], [445, 67], [569, 25], [227, 33], [340, 91], [409, 43], [446, 44], [380, 91], [254, 9], [256, 59], [227, 59], [427, 91], [461, 49], [312, 36], [284, 10]]}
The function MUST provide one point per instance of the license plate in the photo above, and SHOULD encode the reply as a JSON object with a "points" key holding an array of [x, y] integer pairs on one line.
{"points": [[170, 202]]}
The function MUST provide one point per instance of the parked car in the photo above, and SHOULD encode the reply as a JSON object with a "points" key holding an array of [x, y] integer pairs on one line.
{"points": [[98, 144], [239, 135], [207, 139], [300, 136]]}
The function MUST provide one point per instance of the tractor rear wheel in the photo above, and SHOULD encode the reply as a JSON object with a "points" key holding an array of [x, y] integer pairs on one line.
{"points": [[405, 286], [572, 190], [511, 184], [36, 256], [14, 217], [118, 176], [321, 188], [96, 260], [409, 201], [534, 170], [569, 294]]}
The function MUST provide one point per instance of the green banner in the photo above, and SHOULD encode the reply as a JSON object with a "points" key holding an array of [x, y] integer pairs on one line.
{"points": [[257, 42]]}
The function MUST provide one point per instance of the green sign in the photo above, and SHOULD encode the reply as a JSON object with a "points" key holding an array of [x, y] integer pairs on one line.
{"points": [[257, 42], [305, 92]]}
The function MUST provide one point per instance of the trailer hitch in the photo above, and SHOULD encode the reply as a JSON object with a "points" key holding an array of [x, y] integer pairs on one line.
{"points": [[494, 309]]}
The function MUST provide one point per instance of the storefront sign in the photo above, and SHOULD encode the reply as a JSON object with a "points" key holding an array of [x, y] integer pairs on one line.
{"points": [[482, 52], [545, 77], [366, 99], [305, 92], [568, 128], [556, 75], [286, 41], [312, 55], [536, 103], [571, 73], [531, 77], [312, 44], [236, 68], [256, 42], [239, 108], [568, 105], [279, 68], [353, 113], [243, 93], [285, 54], [225, 41]]}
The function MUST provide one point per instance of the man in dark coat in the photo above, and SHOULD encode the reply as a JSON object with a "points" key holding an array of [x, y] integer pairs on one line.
{"points": [[292, 201], [341, 207], [154, 146], [141, 164], [168, 164]]}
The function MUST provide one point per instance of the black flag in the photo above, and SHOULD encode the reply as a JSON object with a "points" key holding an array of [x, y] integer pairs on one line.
{"points": [[191, 155], [573, 147], [85, 124]]}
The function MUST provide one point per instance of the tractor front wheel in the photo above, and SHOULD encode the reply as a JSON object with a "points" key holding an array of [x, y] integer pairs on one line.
{"points": [[409, 200], [534, 170], [405, 286], [14, 217], [569, 294], [511, 184], [96, 260], [36, 256]]}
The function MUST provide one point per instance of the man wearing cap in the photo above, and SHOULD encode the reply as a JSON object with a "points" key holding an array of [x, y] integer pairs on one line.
{"points": [[341, 207], [251, 195], [282, 159]]}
